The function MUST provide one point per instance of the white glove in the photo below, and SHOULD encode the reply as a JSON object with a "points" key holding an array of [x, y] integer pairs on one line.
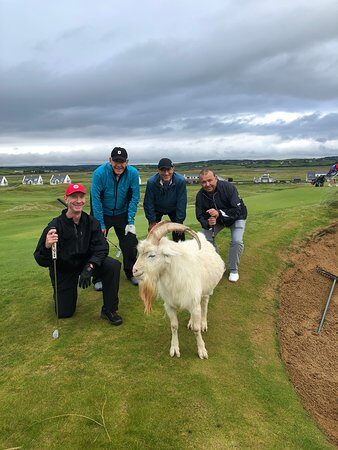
{"points": [[130, 229]]}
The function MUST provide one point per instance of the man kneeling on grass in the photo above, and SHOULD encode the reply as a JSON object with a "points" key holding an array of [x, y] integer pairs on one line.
{"points": [[82, 251]]}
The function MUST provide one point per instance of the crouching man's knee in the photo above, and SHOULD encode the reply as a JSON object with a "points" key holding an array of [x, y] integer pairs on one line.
{"points": [[111, 265]]}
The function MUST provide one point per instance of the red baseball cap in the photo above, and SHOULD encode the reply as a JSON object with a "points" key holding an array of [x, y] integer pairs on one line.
{"points": [[75, 188]]}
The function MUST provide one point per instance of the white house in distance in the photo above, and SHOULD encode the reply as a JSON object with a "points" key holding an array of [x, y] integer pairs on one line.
{"points": [[265, 178], [191, 179], [3, 181], [59, 179], [310, 176], [32, 179]]}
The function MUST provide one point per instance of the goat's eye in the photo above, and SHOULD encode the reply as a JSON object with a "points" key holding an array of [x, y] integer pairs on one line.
{"points": [[151, 255]]}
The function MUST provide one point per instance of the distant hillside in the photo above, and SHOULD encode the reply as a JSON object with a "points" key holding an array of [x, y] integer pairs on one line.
{"points": [[186, 166]]}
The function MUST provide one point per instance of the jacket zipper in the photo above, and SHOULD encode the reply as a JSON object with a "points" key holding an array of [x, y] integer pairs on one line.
{"points": [[116, 186], [76, 236], [212, 200]]}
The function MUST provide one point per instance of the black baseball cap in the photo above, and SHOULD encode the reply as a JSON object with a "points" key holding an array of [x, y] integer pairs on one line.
{"points": [[119, 154], [165, 163]]}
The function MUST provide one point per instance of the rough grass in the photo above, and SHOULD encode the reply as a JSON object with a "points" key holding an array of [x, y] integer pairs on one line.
{"points": [[240, 398]]}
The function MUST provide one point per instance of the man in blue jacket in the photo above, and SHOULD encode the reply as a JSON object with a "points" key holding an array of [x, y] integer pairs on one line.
{"points": [[218, 205], [166, 194], [115, 194]]}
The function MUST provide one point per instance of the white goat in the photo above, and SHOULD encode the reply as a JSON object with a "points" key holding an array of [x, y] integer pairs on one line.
{"points": [[183, 274]]}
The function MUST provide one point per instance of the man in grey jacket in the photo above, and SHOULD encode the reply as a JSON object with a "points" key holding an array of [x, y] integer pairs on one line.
{"points": [[218, 205]]}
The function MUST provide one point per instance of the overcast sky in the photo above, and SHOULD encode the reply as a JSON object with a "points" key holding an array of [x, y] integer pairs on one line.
{"points": [[186, 79]]}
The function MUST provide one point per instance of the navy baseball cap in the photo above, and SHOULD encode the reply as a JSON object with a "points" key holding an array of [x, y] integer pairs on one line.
{"points": [[119, 154], [165, 163]]}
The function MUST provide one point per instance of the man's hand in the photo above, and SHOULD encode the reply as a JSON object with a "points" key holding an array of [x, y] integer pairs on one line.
{"points": [[213, 212], [151, 225], [85, 277], [51, 238], [104, 232], [212, 221], [130, 229]]}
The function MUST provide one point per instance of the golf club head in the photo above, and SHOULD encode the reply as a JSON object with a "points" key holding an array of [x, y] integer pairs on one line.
{"points": [[56, 334]]}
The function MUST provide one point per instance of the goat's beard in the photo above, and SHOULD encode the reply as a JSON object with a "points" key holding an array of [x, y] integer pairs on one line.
{"points": [[147, 290]]}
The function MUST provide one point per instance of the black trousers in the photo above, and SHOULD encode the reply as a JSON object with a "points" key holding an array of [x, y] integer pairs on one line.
{"points": [[172, 216], [67, 284], [127, 243]]}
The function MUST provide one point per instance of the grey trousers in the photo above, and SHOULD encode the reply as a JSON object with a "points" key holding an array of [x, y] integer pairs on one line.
{"points": [[236, 243]]}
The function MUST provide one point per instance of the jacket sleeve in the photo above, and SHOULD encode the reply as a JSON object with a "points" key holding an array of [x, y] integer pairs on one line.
{"points": [[135, 197], [235, 210], [200, 214], [99, 247], [181, 207], [95, 198], [43, 255], [149, 203]]}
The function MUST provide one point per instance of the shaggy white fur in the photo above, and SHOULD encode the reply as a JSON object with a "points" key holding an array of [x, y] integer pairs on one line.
{"points": [[184, 276]]}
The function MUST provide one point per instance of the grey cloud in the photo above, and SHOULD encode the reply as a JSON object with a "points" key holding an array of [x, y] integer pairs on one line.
{"points": [[237, 58]]}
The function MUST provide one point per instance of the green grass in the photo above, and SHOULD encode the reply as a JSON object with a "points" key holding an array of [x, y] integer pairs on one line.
{"points": [[240, 398]]}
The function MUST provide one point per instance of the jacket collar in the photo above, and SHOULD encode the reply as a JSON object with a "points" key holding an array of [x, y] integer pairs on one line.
{"points": [[160, 182], [68, 220]]}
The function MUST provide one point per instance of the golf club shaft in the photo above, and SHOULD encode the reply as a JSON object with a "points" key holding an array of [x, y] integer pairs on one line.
{"points": [[62, 202], [54, 257]]}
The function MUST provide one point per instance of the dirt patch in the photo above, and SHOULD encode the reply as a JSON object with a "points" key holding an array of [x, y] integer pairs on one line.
{"points": [[311, 358]]}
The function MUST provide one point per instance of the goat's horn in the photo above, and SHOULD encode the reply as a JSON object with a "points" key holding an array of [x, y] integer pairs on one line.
{"points": [[164, 227], [157, 225]]}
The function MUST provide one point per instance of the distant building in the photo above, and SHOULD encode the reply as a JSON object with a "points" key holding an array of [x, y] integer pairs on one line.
{"points": [[59, 179], [265, 178], [32, 179], [191, 179], [3, 181], [311, 176], [296, 180]]}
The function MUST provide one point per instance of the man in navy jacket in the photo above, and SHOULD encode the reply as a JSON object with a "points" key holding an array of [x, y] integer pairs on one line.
{"points": [[166, 194], [218, 205]]}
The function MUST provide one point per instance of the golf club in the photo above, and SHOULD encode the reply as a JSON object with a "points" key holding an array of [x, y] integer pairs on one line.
{"points": [[118, 253], [54, 257], [213, 235]]}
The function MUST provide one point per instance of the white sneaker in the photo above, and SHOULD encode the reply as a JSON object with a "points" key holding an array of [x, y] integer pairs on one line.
{"points": [[233, 277], [98, 286]]}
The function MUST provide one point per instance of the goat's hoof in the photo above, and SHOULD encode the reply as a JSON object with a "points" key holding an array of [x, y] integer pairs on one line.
{"points": [[202, 353], [204, 326], [174, 351], [189, 326]]}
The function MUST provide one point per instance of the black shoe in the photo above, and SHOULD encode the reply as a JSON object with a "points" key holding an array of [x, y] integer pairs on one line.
{"points": [[113, 317], [134, 281]]}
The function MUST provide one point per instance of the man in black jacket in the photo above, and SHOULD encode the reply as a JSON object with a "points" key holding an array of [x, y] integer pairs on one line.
{"points": [[218, 205], [82, 251]]}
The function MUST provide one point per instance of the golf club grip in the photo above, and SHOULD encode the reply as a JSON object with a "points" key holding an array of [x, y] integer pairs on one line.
{"points": [[54, 251]]}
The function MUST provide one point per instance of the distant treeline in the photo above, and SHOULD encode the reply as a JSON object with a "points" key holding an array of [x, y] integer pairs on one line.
{"points": [[249, 163]]}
